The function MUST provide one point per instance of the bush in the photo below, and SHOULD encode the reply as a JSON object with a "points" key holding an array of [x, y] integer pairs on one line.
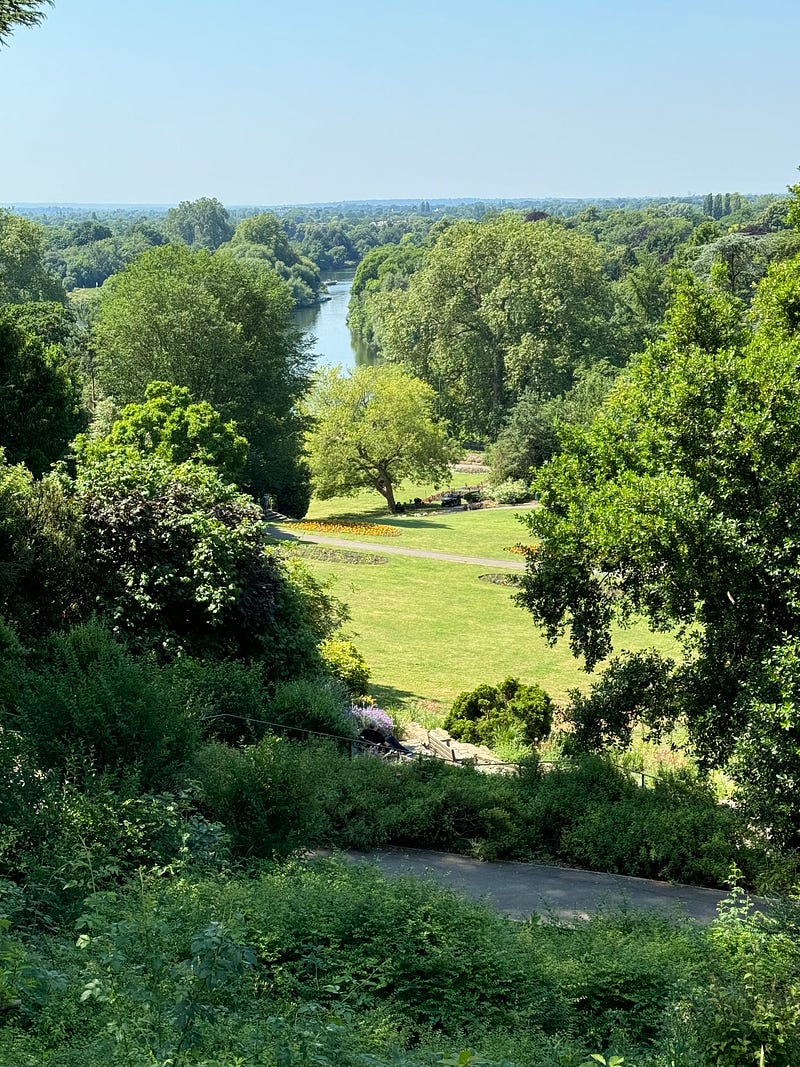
{"points": [[593, 815], [226, 699], [85, 699], [343, 660], [514, 491], [266, 796], [478, 717], [318, 704]]}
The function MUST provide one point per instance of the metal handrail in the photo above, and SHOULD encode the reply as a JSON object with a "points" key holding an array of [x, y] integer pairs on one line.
{"points": [[354, 743]]}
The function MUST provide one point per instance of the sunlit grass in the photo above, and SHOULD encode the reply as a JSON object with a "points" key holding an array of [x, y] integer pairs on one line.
{"points": [[430, 630], [488, 533]]}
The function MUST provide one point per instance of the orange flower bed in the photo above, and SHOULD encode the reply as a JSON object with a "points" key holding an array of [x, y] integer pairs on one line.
{"points": [[364, 529], [522, 550]]}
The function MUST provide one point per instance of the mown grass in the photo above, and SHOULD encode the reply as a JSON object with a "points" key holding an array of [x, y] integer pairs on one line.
{"points": [[431, 629], [486, 533]]}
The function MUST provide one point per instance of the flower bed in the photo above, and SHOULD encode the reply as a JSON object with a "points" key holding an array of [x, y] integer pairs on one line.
{"points": [[365, 529], [522, 550]]}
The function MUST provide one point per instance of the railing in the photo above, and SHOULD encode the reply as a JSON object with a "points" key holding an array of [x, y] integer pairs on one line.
{"points": [[352, 744], [356, 747]]}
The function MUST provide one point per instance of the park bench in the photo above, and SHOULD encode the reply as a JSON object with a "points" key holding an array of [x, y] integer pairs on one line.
{"points": [[439, 744]]}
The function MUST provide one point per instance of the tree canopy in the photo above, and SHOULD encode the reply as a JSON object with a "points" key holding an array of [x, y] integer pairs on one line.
{"points": [[680, 503], [500, 307], [371, 429], [15, 13], [222, 330], [40, 398], [261, 241], [170, 425], [23, 273], [175, 559], [202, 223]]}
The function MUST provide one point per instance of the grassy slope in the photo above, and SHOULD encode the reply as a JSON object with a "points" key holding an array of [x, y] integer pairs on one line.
{"points": [[428, 629]]}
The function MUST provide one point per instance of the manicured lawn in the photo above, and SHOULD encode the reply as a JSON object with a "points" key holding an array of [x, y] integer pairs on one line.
{"points": [[430, 630], [487, 533]]}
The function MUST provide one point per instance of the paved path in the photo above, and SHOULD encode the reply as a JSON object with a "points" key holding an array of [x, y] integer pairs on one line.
{"points": [[395, 550], [520, 890]]}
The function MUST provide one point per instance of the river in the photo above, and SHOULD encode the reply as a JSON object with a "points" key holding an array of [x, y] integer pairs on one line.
{"points": [[327, 323]]}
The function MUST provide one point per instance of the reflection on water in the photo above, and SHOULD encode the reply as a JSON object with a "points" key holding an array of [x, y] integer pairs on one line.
{"points": [[328, 324]]}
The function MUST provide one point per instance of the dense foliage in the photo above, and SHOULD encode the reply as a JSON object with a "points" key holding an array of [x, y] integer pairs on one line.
{"points": [[172, 427], [41, 398], [23, 272], [261, 241], [222, 330], [483, 716], [678, 503], [497, 308]]}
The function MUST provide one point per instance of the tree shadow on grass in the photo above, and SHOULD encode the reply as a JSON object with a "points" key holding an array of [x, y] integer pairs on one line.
{"points": [[386, 695]]}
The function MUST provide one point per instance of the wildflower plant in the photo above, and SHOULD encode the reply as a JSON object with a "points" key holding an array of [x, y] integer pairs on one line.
{"points": [[364, 714]]}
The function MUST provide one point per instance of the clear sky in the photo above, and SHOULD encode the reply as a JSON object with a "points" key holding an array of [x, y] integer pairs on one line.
{"points": [[273, 101]]}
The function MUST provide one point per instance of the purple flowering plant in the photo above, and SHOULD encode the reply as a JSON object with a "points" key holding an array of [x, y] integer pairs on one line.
{"points": [[364, 714]]}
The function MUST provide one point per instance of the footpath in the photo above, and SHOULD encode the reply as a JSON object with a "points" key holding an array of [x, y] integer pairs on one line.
{"points": [[521, 890], [394, 550]]}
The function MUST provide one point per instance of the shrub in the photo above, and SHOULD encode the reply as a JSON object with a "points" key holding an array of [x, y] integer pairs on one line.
{"points": [[592, 814], [364, 714], [85, 698], [513, 491], [318, 704], [479, 716], [749, 1011], [266, 796], [227, 698], [343, 660]]}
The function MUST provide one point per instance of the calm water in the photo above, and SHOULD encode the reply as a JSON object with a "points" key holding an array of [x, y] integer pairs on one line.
{"points": [[327, 323]]}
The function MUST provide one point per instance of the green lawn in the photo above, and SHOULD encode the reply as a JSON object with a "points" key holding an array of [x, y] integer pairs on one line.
{"points": [[430, 629], [487, 533]]}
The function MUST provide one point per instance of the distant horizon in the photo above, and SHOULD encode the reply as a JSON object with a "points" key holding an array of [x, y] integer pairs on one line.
{"points": [[386, 201]]}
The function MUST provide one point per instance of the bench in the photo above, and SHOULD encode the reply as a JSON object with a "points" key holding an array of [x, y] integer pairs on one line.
{"points": [[439, 743]]}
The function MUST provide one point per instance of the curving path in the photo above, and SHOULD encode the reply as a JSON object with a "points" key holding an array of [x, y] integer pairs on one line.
{"points": [[394, 550], [520, 890]]}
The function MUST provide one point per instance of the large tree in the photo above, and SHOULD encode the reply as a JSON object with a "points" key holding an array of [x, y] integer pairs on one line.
{"points": [[371, 429], [203, 223], [222, 330], [680, 503], [498, 308], [40, 397], [23, 273]]}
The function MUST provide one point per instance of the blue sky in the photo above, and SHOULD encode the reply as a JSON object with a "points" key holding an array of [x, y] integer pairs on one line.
{"points": [[258, 102]]}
